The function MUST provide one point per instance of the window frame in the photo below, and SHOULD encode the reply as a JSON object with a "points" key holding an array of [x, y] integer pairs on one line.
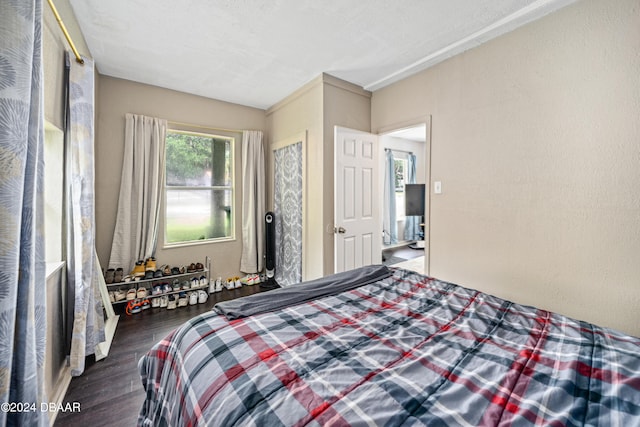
{"points": [[214, 134]]}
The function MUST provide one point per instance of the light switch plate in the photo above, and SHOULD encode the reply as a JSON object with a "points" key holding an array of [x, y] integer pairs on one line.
{"points": [[437, 187]]}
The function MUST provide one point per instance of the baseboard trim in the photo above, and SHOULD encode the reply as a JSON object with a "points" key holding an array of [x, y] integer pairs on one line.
{"points": [[60, 391]]}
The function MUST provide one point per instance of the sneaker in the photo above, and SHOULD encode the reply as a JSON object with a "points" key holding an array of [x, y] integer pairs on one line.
{"points": [[176, 285], [238, 283], [202, 297], [230, 284], [133, 307], [171, 304], [204, 281], [218, 287], [119, 294], [157, 290], [183, 301], [146, 305], [166, 288], [112, 297], [186, 285], [142, 292], [131, 294], [164, 301], [193, 298], [155, 302], [150, 264]]}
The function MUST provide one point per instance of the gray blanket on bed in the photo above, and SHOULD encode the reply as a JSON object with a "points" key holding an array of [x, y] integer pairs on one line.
{"points": [[305, 291]]}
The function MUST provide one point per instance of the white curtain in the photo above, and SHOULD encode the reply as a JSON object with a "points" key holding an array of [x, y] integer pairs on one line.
{"points": [[253, 202], [83, 269], [411, 223], [23, 325], [389, 225], [143, 168], [288, 214]]}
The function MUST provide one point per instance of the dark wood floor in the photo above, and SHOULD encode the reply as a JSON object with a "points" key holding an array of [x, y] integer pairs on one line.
{"points": [[109, 391]]}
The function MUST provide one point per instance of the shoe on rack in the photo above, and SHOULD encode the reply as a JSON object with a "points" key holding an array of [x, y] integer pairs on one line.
{"points": [[157, 274], [195, 283], [171, 304], [175, 270], [218, 285], [150, 264], [204, 281], [133, 307], [118, 275], [176, 285], [155, 302], [157, 290], [202, 297], [138, 270], [191, 268], [109, 276], [119, 294], [146, 304], [164, 301], [148, 275], [142, 292], [112, 297], [193, 298], [183, 300], [166, 270], [166, 287], [185, 285], [199, 267], [131, 294]]}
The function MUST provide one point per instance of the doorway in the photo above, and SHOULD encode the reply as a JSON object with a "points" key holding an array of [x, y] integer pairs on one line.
{"points": [[404, 161]]}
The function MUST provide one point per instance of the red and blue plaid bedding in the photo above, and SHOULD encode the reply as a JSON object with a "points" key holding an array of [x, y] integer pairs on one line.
{"points": [[406, 350]]}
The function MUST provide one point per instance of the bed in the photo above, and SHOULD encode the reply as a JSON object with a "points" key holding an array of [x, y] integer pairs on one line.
{"points": [[389, 347]]}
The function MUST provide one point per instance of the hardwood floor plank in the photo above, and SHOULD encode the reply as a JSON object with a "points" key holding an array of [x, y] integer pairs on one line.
{"points": [[110, 392]]}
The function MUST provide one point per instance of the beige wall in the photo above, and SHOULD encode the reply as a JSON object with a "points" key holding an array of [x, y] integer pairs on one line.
{"points": [[117, 97], [315, 109], [536, 141]]}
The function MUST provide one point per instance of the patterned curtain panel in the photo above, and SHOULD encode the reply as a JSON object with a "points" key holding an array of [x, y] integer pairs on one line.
{"points": [[288, 214], [83, 268], [22, 262]]}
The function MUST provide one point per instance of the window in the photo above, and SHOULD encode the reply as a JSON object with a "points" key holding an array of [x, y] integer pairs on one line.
{"points": [[199, 187], [400, 168]]}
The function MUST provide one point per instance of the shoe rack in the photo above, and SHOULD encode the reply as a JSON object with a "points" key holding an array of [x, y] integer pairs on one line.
{"points": [[148, 284]]}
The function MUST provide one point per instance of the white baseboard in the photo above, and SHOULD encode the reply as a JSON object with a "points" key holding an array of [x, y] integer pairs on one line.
{"points": [[60, 391]]}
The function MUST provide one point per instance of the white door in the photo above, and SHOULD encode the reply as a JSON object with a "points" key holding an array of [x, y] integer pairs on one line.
{"points": [[358, 225]]}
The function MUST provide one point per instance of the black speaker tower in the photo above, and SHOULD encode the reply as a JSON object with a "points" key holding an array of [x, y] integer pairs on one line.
{"points": [[270, 252]]}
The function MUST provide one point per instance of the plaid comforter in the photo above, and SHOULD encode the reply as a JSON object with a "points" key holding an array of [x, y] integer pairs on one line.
{"points": [[407, 350]]}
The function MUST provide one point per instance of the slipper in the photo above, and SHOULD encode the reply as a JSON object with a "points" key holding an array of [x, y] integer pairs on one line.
{"points": [[131, 294], [142, 292]]}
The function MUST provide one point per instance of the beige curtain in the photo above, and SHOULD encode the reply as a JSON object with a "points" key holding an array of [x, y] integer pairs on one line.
{"points": [[143, 168], [253, 202]]}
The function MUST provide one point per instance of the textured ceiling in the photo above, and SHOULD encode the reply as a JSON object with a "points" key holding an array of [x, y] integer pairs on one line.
{"points": [[256, 52]]}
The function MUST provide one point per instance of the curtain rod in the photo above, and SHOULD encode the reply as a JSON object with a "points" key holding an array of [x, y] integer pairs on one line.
{"points": [[191, 125], [399, 151], [65, 32]]}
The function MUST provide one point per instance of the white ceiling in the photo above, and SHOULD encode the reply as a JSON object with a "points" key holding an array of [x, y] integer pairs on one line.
{"points": [[256, 52]]}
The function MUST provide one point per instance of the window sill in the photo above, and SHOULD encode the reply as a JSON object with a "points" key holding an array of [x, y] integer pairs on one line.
{"points": [[197, 243]]}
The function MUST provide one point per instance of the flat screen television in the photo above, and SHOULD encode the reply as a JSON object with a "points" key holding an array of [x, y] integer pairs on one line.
{"points": [[414, 199]]}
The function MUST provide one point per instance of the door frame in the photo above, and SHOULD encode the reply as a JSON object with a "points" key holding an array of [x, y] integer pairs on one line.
{"points": [[419, 121]]}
